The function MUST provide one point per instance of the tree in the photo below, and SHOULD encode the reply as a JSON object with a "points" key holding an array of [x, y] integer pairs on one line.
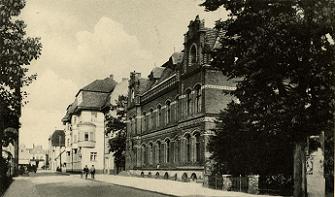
{"points": [[117, 126], [283, 52], [16, 52]]}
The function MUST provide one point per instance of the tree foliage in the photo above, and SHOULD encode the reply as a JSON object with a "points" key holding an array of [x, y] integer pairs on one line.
{"points": [[282, 52], [116, 125], [240, 150], [17, 50]]}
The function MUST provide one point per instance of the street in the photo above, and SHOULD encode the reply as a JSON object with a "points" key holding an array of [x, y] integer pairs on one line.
{"points": [[53, 185]]}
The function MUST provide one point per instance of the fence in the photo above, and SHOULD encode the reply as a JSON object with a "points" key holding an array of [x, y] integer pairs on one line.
{"points": [[239, 184], [247, 184]]}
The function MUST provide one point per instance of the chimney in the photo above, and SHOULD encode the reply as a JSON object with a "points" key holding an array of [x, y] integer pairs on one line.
{"points": [[111, 76]]}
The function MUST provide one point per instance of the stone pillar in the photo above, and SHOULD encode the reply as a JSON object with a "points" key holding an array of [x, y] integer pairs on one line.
{"points": [[206, 141], [253, 181], [226, 183]]}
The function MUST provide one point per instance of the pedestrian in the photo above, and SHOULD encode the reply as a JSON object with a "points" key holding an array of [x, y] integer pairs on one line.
{"points": [[92, 170], [86, 171], [82, 173]]}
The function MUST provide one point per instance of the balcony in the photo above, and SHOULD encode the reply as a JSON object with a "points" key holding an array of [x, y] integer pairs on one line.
{"points": [[86, 135], [86, 144]]}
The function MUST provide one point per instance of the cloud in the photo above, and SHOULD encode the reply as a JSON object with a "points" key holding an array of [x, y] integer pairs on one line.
{"points": [[108, 50], [66, 66], [38, 125], [48, 98], [51, 92]]}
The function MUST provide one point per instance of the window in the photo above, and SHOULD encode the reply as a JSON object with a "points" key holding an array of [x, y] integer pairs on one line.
{"points": [[151, 146], [193, 55], [159, 115], [197, 147], [189, 100], [94, 116], [68, 141], [144, 155], [91, 136], [158, 159], [188, 147], [144, 126], [167, 150], [198, 99], [86, 136], [93, 156], [68, 153], [75, 151], [168, 112], [151, 119]]}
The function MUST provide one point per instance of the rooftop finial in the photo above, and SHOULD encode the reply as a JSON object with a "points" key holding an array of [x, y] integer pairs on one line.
{"points": [[197, 18]]}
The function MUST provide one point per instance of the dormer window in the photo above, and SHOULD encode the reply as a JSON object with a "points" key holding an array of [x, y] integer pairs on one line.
{"points": [[193, 55]]}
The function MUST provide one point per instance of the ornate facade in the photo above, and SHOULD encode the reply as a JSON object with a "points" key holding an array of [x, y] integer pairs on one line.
{"points": [[170, 115]]}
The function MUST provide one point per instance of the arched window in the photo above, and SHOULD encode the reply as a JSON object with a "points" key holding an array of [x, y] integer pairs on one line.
{"points": [[144, 159], [193, 55], [167, 158], [158, 151], [189, 102], [198, 98], [159, 115], [197, 147], [151, 119], [151, 147], [188, 147], [144, 126], [168, 112]]}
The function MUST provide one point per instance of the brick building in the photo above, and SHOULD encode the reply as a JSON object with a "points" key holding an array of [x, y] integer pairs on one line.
{"points": [[171, 113]]}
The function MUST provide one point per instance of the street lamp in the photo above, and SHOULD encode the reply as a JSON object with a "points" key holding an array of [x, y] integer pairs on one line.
{"points": [[60, 151]]}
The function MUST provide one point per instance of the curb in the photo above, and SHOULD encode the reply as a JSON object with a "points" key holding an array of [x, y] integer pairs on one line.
{"points": [[127, 186]]}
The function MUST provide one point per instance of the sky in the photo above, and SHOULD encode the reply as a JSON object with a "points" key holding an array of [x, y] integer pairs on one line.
{"points": [[85, 40]]}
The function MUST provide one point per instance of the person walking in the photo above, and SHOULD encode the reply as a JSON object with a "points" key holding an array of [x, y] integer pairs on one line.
{"points": [[92, 170], [86, 170]]}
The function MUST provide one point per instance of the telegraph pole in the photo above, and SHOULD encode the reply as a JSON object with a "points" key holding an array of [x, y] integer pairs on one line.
{"points": [[60, 151]]}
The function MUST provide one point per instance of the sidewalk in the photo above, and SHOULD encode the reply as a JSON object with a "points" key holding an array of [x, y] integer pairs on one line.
{"points": [[169, 187], [20, 187]]}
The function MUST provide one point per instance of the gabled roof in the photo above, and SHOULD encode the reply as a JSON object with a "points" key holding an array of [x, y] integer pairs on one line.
{"points": [[156, 73], [100, 85], [93, 97], [58, 138], [145, 85], [92, 100]]}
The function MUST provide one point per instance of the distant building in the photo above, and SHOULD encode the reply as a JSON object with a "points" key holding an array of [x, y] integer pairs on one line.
{"points": [[33, 156], [56, 151], [171, 113], [84, 126]]}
